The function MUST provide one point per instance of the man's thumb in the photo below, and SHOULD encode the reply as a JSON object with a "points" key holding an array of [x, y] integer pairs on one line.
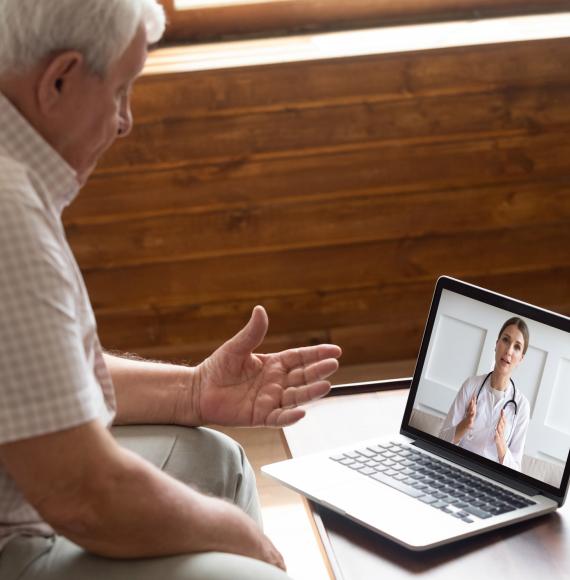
{"points": [[252, 334]]}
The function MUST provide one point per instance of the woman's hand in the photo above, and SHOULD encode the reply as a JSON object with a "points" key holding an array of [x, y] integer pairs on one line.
{"points": [[468, 420], [500, 437], [471, 412]]}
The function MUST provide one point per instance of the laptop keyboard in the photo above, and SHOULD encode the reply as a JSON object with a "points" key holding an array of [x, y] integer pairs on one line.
{"points": [[433, 482]]}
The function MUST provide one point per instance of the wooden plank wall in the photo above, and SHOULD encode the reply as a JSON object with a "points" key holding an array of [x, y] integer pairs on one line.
{"points": [[332, 192]]}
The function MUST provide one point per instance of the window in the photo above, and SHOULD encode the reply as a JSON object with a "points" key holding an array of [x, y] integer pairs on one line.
{"points": [[200, 20]]}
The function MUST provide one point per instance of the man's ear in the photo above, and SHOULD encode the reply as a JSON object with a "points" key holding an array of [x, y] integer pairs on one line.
{"points": [[61, 75]]}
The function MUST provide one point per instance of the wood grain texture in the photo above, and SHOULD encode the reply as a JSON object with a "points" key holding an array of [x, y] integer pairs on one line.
{"points": [[332, 192], [348, 218]]}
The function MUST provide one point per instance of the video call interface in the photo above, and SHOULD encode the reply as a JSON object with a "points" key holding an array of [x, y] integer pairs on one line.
{"points": [[496, 384]]}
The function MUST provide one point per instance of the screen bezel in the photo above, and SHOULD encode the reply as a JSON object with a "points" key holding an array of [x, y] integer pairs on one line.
{"points": [[511, 305]]}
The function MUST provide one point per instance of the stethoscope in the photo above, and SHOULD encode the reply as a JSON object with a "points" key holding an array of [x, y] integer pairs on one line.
{"points": [[511, 401]]}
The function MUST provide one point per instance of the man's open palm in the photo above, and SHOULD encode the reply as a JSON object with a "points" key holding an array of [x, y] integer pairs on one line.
{"points": [[236, 387]]}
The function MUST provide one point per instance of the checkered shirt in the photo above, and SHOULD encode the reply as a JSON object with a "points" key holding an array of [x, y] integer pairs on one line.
{"points": [[52, 372]]}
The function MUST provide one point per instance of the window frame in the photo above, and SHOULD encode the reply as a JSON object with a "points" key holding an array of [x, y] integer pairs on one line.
{"points": [[272, 17]]}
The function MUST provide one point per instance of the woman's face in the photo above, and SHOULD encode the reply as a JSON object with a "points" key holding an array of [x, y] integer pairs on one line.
{"points": [[509, 350]]}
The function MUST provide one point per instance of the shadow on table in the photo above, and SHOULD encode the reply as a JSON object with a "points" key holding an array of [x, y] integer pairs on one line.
{"points": [[356, 548]]}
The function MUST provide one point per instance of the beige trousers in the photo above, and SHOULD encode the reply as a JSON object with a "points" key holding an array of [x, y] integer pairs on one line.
{"points": [[206, 459]]}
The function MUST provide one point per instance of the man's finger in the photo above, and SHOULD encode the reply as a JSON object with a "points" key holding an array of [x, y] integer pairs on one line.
{"points": [[314, 372], [298, 357], [284, 417], [295, 396]]}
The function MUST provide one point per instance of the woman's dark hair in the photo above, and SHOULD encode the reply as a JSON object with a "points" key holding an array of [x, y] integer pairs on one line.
{"points": [[521, 325]]}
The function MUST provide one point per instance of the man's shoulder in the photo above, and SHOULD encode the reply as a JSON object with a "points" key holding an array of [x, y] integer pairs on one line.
{"points": [[12, 170], [25, 227], [16, 184], [18, 193]]}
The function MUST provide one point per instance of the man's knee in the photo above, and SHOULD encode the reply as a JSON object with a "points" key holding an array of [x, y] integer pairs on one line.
{"points": [[185, 452], [206, 459], [217, 465], [221, 566], [59, 559]]}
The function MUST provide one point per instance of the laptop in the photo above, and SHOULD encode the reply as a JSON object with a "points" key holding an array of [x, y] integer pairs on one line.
{"points": [[444, 477]]}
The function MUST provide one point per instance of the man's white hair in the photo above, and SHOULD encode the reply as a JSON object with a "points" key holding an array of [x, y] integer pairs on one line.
{"points": [[101, 30]]}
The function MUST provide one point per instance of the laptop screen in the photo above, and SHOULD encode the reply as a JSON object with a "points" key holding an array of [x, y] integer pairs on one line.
{"points": [[493, 379]]}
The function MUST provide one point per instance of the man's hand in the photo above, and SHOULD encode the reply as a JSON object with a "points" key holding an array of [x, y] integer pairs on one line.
{"points": [[236, 387], [500, 437], [270, 554]]}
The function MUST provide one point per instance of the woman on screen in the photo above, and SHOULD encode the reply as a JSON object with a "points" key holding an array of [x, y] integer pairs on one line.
{"points": [[489, 415]]}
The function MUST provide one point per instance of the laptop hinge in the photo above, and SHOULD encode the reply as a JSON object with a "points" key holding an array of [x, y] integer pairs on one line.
{"points": [[506, 480]]}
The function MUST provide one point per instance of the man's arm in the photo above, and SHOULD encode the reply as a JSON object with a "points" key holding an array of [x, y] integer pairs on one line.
{"points": [[233, 386], [151, 392], [114, 504]]}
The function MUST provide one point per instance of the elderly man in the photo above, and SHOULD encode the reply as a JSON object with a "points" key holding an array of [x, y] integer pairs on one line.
{"points": [[74, 504]]}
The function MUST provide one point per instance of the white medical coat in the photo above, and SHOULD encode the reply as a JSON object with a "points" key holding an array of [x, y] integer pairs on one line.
{"points": [[486, 420]]}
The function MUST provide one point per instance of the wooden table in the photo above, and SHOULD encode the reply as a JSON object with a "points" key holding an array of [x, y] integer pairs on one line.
{"points": [[539, 548]]}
